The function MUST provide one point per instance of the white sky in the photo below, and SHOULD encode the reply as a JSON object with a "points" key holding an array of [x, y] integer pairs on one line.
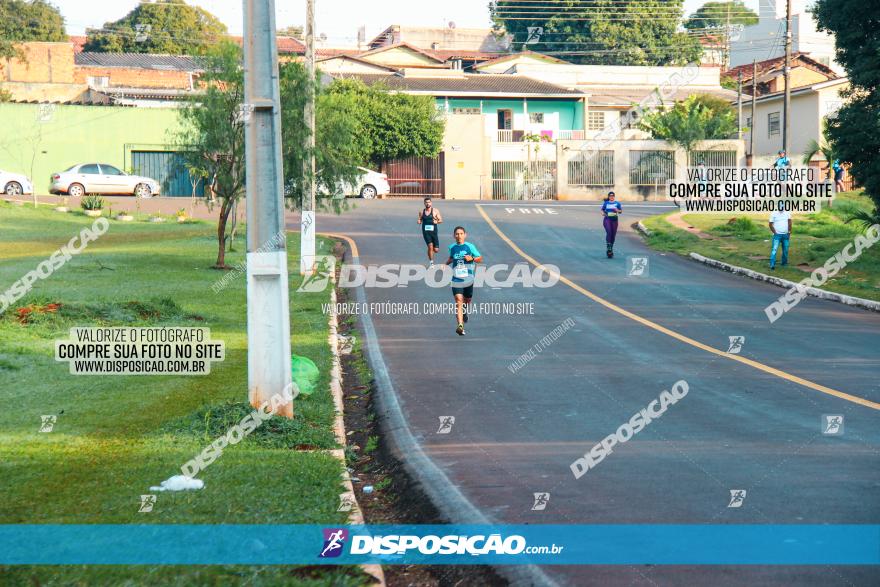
{"points": [[338, 19]]}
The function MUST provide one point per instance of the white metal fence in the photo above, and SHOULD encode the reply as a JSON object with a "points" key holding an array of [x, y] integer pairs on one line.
{"points": [[651, 167], [712, 158], [587, 168], [521, 180]]}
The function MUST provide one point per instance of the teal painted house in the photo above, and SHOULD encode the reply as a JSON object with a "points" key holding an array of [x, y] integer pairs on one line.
{"points": [[513, 105]]}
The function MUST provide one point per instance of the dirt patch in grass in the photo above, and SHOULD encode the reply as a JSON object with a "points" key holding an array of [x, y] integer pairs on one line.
{"points": [[57, 313], [396, 499]]}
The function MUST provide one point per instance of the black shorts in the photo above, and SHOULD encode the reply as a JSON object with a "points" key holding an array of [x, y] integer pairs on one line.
{"points": [[431, 237], [467, 291]]}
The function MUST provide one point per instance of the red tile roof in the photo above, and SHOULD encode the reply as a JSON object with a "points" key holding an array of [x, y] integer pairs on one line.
{"points": [[778, 63]]}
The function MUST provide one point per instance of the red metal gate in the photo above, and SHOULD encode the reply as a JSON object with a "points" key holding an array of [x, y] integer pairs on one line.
{"points": [[416, 177]]}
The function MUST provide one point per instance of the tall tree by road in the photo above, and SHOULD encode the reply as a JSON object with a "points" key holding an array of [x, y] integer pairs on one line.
{"points": [[613, 32], [855, 131], [390, 125], [212, 134], [22, 21], [169, 26]]}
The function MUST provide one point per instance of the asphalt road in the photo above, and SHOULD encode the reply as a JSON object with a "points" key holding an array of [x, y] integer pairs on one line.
{"points": [[748, 424]]}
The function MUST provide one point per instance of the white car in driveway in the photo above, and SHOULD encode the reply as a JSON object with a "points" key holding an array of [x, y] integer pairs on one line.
{"points": [[15, 184], [370, 185], [100, 178]]}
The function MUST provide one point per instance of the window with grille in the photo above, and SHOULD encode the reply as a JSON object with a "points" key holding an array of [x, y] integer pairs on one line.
{"points": [[466, 111], [536, 117], [595, 120], [773, 124]]}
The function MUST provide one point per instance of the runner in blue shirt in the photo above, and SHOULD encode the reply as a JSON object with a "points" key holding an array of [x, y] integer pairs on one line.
{"points": [[610, 210], [783, 165], [463, 256]]}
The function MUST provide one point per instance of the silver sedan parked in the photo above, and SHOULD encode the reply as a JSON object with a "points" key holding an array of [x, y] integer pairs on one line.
{"points": [[100, 178]]}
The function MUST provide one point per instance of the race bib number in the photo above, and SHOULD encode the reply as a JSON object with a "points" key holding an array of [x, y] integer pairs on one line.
{"points": [[429, 227], [460, 271], [612, 214]]}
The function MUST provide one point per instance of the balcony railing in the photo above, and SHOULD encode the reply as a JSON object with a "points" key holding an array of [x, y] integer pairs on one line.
{"points": [[571, 135], [516, 136]]}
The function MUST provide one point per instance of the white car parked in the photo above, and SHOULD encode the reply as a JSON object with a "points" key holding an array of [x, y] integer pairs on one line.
{"points": [[15, 184], [370, 185], [100, 178]]}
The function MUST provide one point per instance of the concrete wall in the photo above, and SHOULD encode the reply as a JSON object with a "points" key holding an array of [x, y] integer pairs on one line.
{"points": [[39, 140], [400, 57], [622, 188], [467, 157], [622, 76]]}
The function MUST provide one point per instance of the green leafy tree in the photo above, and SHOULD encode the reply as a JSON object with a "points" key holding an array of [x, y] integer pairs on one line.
{"points": [[718, 19], [854, 132], [390, 125], [212, 137], [338, 150], [169, 26], [687, 123], [716, 16], [212, 134], [22, 21], [612, 32]]}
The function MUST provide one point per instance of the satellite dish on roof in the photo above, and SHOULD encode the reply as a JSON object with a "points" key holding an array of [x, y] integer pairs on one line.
{"points": [[452, 24]]}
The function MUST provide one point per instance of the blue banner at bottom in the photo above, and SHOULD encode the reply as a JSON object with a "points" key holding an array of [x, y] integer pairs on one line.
{"points": [[62, 544]]}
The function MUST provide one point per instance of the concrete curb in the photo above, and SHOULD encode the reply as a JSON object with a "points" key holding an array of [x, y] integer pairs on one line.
{"points": [[784, 283], [355, 515], [445, 496]]}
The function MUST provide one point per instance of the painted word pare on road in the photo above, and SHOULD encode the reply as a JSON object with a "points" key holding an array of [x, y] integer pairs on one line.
{"points": [[524, 210]]}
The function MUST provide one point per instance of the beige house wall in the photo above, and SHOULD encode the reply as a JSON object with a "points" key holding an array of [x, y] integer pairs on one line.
{"points": [[468, 166], [806, 126], [400, 57]]}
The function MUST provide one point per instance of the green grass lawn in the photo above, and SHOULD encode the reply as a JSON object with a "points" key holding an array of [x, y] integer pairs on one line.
{"points": [[745, 241], [115, 436]]}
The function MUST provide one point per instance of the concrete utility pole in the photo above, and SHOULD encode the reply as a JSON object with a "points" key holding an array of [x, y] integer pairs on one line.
{"points": [[754, 103], [268, 310], [786, 108], [307, 228], [739, 105]]}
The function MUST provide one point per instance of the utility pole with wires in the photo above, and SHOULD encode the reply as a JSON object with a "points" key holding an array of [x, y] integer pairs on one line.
{"points": [[786, 106], [307, 225], [754, 104], [739, 105], [268, 308]]}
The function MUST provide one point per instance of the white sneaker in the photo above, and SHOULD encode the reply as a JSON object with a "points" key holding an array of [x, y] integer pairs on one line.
{"points": [[431, 264]]}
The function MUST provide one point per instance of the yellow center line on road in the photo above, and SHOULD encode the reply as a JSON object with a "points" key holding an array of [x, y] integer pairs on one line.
{"points": [[685, 339]]}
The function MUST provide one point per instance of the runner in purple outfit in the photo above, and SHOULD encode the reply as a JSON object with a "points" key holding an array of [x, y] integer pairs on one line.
{"points": [[610, 210]]}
